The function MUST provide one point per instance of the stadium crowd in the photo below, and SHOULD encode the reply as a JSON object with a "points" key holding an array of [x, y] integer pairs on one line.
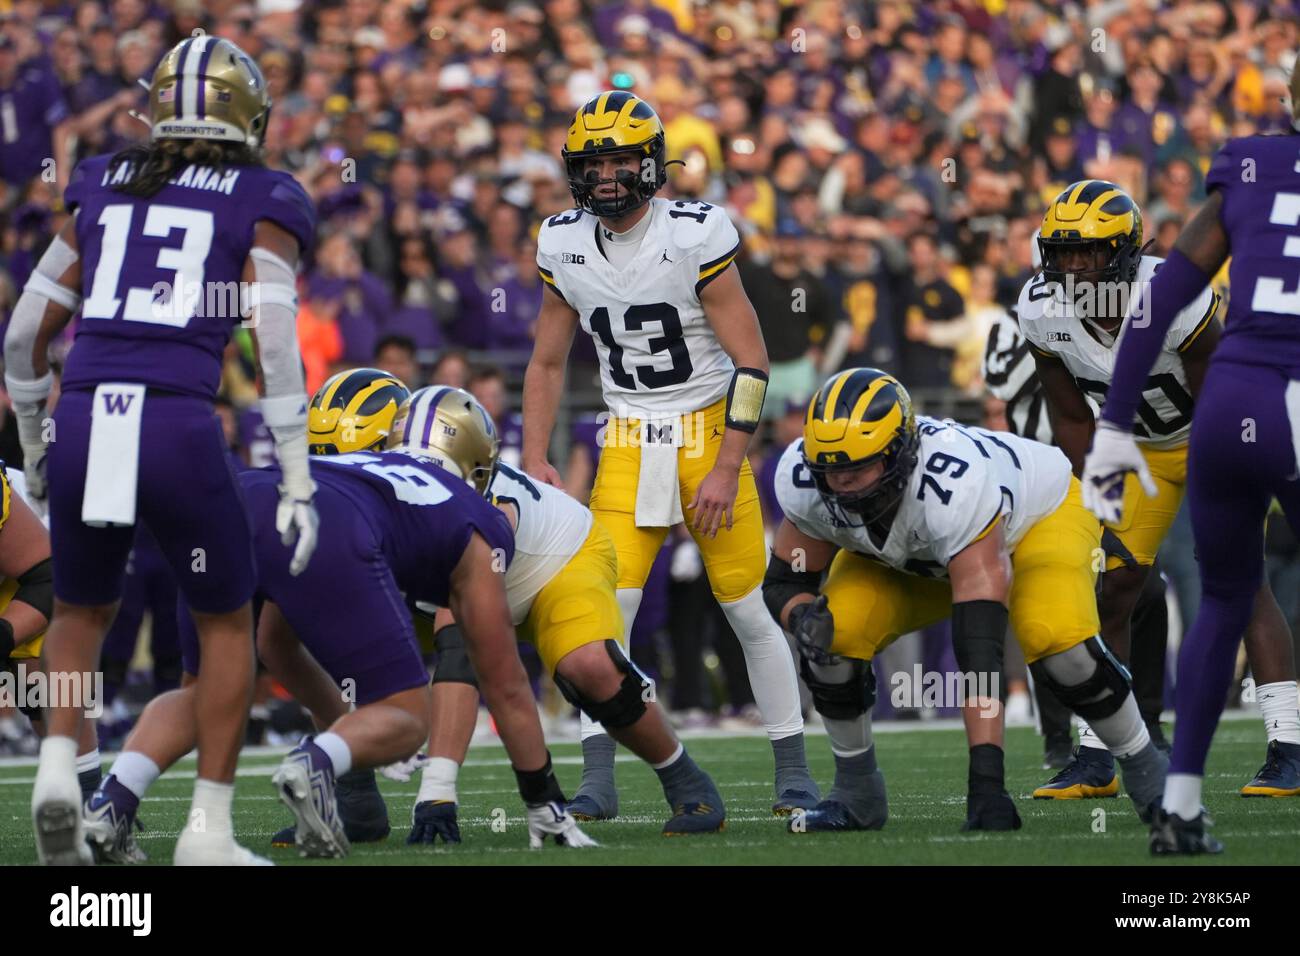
{"points": [[887, 164]]}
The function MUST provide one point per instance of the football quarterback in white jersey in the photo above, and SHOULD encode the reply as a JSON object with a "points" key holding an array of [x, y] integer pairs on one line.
{"points": [[683, 372], [560, 589], [1074, 314], [914, 520]]}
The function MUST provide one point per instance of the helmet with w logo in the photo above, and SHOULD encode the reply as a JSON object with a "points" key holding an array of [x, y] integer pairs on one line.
{"points": [[615, 122], [206, 87], [861, 417], [449, 427]]}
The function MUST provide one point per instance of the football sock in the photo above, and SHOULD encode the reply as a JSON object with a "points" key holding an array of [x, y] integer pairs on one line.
{"points": [[336, 749], [1183, 795], [860, 786], [1123, 733], [598, 773], [438, 782], [1281, 712], [684, 781], [1144, 775], [135, 771], [792, 765], [89, 772], [1087, 737], [210, 809]]}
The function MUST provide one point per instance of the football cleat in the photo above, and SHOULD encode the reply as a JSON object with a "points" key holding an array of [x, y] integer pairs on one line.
{"points": [[109, 822], [56, 818], [990, 811], [1171, 835], [829, 816], [361, 808], [1090, 774], [586, 809], [201, 849], [791, 800], [308, 790], [697, 817], [431, 819], [1280, 775]]}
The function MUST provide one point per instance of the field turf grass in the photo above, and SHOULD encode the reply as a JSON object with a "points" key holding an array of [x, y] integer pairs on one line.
{"points": [[925, 770]]}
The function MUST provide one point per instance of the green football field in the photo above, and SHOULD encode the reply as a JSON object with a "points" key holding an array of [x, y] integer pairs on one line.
{"points": [[925, 770]]}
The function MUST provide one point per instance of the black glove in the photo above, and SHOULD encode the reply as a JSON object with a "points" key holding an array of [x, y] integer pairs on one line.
{"points": [[432, 820], [813, 628]]}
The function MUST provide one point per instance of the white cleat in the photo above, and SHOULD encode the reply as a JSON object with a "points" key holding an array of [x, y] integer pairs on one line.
{"points": [[309, 794], [194, 849], [56, 818]]}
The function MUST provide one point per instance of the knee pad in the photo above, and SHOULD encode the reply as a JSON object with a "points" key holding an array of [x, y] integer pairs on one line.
{"points": [[626, 707], [453, 661], [841, 700], [36, 587], [1087, 678]]}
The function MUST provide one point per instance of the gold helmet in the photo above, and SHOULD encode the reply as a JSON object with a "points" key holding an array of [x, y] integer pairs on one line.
{"points": [[354, 411], [859, 417], [1092, 214], [615, 121], [208, 88], [450, 427]]}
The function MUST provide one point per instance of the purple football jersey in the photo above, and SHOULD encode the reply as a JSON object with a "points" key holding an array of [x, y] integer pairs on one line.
{"points": [[425, 516], [1260, 180], [161, 276]]}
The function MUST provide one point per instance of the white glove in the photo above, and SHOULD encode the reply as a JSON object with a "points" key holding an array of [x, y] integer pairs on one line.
{"points": [[297, 521], [1114, 454], [31, 436], [551, 819], [402, 771]]}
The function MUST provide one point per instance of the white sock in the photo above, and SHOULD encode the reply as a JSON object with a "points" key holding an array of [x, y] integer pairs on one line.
{"points": [[848, 737], [1183, 795], [1087, 737], [337, 749], [1279, 703], [629, 602], [438, 781], [135, 771], [681, 749], [88, 761], [210, 810], [769, 662], [58, 759]]}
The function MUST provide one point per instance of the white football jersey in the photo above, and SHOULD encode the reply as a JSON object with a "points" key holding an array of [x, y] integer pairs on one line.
{"points": [[552, 528], [965, 478], [658, 354], [1165, 414], [18, 482]]}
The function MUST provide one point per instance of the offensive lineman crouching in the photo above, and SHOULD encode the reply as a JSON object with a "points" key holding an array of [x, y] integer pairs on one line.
{"points": [[907, 502]]}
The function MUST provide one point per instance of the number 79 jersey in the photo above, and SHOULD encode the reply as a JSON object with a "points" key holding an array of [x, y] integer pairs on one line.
{"points": [[658, 354], [1164, 417], [965, 479]]}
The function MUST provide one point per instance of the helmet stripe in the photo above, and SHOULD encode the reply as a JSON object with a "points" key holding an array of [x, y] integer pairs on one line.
{"points": [[430, 413], [189, 102], [203, 83], [180, 77]]}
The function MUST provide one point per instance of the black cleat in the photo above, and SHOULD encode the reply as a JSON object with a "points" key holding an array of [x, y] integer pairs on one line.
{"points": [[432, 819], [586, 809], [1280, 775], [792, 800], [697, 817], [831, 816], [1171, 835]]}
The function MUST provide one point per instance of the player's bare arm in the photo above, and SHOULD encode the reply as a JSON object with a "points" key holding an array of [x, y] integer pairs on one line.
{"points": [[1203, 239], [544, 384], [478, 601], [734, 322], [25, 558], [1071, 416], [981, 571], [1196, 360]]}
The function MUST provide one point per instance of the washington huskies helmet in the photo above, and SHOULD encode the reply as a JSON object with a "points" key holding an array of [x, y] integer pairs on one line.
{"points": [[354, 411], [450, 427], [208, 88], [859, 417], [615, 122], [1092, 214]]}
